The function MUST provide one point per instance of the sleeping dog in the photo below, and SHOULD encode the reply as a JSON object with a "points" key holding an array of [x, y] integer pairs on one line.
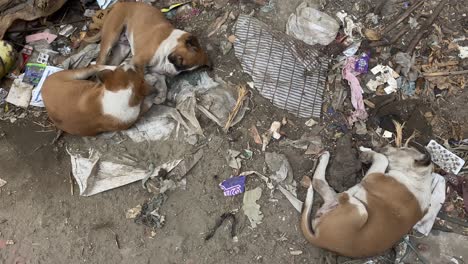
{"points": [[372, 216]]}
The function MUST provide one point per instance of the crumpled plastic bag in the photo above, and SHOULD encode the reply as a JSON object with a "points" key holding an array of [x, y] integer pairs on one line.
{"points": [[312, 26]]}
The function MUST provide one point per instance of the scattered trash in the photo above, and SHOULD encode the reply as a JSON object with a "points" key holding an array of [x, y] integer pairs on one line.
{"points": [[233, 159], [36, 98], [295, 252], [2, 182], [150, 215], [33, 73], [301, 86], [263, 177], [362, 63], [281, 171], [352, 49], [43, 58], [103, 4], [387, 76], [233, 186], [66, 30], [463, 52], [407, 64], [444, 158], [251, 208], [94, 175], [3, 95], [349, 74], [82, 58], [273, 132], [47, 36], [424, 226], [218, 224], [215, 99], [133, 212], [312, 26], [255, 135], [20, 93], [311, 122]]}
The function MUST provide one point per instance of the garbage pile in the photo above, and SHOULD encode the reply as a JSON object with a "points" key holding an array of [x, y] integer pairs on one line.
{"points": [[347, 80]]}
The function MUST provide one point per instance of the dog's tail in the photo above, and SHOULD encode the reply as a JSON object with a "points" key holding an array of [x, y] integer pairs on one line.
{"points": [[93, 39], [306, 222]]}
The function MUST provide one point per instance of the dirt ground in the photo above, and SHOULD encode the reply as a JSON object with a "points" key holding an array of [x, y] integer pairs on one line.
{"points": [[50, 225]]}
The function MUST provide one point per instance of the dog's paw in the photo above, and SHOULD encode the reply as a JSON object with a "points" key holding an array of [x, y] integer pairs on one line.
{"points": [[364, 149], [325, 155]]}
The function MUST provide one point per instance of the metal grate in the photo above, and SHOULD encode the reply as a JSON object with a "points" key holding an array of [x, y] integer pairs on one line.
{"points": [[286, 71]]}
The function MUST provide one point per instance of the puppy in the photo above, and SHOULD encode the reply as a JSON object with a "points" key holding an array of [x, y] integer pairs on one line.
{"points": [[83, 107], [372, 216], [154, 42]]}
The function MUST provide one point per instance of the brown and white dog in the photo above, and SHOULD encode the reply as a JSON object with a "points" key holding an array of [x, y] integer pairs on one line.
{"points": [[372, 216], [154, 42], [83, 107]]}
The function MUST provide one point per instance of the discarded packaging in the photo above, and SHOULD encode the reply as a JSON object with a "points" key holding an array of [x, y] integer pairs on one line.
{"points": [[424, 226], [251, 208], [41, 36], [36, 99], [103, 4], [233, 186], [362, 63], [386, 76], [33, 73], [444, 158], [312, 26], [350, 74], [66, 30], [289, 73], [20, 93], [94, 175]]}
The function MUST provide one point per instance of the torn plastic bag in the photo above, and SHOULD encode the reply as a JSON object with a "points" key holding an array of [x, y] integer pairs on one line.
{"points": [[82, 58], [215, 99], [312, 26], [286, 71], [94, 175]]}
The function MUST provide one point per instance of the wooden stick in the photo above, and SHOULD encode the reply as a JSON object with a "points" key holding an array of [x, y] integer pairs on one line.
{"points": [[402, 17], [424, 28], [445, 73]]}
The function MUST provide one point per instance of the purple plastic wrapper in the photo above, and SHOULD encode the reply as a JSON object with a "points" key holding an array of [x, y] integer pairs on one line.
{"points": [[233, 186], [362, 64]]}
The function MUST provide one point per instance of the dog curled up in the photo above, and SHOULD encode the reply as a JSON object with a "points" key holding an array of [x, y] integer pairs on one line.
{"points": [[85, 107], [372, 216]]}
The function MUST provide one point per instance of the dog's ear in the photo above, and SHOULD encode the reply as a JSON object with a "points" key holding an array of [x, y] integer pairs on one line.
{"points": [[192, 43], [104, 76]]}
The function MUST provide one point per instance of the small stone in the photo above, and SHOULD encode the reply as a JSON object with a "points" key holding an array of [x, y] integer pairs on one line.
{"points": [[295, 252]]}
